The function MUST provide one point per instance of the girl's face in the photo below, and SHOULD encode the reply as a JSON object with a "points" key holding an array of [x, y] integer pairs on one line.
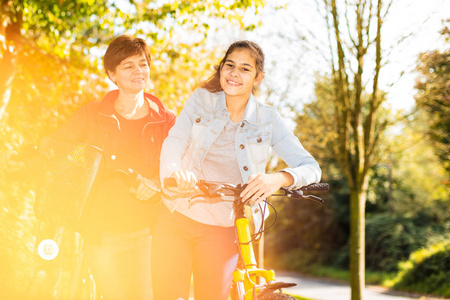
{"points": [[238, 74], [132, 74]]}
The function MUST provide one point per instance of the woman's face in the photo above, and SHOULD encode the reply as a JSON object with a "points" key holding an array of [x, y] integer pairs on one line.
{"points": [[132, 74], [238, 74]]}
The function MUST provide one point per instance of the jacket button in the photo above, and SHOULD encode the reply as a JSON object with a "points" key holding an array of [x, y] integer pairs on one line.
{"points": [[245, 168], [259, 139], [242, 124], [113, 157], [241, 146], [198, 120]]}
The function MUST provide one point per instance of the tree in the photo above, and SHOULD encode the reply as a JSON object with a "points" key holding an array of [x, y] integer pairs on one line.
{"points": [[356, 102], [61, 30], [403, 214], [433, 96]]}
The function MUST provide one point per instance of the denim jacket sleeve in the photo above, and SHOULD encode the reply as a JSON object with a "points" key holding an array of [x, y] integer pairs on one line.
{"points": [[302, 165], [177, 141]]}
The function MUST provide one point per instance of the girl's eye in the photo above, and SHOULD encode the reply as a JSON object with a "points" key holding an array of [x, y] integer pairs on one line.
{"points": [[229, 65], [246, 70]]}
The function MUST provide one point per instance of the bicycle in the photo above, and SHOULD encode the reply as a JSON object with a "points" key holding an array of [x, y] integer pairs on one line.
{"points": [[246, 277], [67, 173], [60, 270]]}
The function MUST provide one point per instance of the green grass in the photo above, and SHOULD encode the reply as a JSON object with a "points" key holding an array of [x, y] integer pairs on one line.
{"points": [[372, 277], [300, 298]]}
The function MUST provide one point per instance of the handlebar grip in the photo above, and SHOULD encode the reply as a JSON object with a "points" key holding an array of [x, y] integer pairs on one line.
{"points": [[316, 187], [170, 182]]}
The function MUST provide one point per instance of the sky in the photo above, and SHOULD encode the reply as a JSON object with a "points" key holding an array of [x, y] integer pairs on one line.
{"points": [[424, 18], [291, 62]]}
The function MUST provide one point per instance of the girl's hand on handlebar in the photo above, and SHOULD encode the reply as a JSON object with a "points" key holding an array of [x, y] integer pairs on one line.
{"points": [[260, 186], [186, 182]]}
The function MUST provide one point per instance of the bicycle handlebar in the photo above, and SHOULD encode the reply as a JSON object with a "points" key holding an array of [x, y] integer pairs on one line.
{"points": [[216, 189], [213, 189], [316, 187]]}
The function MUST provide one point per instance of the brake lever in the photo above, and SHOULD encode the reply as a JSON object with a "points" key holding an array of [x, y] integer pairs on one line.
{"points": [[210, 191], [298, 194], [135, 178], [314, 198]]}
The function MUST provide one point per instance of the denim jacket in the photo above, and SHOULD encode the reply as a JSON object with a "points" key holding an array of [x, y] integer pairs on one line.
{"points": [[204, 117]]}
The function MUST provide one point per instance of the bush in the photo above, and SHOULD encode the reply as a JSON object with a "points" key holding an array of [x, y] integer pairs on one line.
{"points": [[390, 239], [426, 271]]}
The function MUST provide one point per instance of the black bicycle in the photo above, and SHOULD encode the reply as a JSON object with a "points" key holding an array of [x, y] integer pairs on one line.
{"points": [[65, 174]]}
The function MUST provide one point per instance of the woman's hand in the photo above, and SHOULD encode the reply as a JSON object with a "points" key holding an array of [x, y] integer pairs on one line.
{"points": [[147, 188], [186, 182], [260, 186]]}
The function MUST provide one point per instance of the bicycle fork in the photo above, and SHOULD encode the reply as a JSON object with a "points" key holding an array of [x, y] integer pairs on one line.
{"points": [[246, 278]]}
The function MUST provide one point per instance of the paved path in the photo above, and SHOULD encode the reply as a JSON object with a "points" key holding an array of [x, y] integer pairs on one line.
{"points": [[329, 290]]}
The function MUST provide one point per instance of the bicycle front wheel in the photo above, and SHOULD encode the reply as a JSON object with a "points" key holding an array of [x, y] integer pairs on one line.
{"points": [[276, 296]]}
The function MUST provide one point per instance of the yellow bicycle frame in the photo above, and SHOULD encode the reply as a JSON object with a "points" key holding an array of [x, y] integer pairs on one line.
{"points": [[250, 274]]}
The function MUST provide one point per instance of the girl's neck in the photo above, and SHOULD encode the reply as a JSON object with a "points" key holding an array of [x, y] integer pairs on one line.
{"points": [[131, 106], [236, 108]]}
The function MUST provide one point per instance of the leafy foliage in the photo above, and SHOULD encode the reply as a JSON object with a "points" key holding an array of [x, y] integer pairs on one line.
{"points": [[392, 238], [427, 271], [433, 86], [414, 215]]}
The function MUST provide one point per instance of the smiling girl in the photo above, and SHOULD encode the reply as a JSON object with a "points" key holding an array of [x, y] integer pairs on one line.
{"points": [[223, 134]]}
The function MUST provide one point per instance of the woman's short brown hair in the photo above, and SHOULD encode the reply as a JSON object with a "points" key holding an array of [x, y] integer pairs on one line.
{"points": [[212, 84], [123, 47]]}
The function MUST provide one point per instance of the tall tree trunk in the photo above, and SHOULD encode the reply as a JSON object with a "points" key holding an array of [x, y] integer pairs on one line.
{"points": [[357, 238], [8, 63]]}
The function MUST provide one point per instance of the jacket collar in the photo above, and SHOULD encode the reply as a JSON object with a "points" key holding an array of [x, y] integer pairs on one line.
{"points": [[157, 110], [251, 114]]}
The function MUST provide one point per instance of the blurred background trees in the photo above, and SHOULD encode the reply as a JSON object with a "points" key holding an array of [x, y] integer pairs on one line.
{"points": [[407, 209], [433, 97]]}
